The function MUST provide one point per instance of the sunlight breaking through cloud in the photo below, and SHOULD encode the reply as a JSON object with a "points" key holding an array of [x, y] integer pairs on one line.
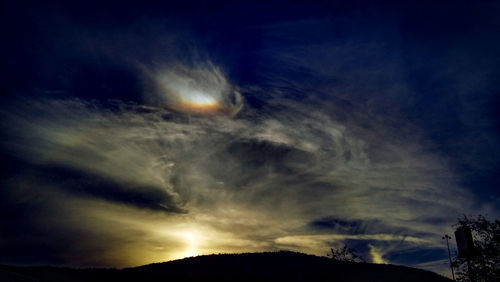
{"points": [[218, 184]]}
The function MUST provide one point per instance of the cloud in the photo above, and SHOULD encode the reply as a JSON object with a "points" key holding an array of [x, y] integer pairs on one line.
{"points": [[375, 255], [242, 184], [318, 153], [199, 90]]}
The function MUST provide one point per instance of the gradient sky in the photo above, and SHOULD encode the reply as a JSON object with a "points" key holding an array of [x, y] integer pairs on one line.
{"points": [[142, 133]]}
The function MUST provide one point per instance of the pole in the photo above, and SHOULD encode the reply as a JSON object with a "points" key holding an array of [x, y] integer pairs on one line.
{"points": [[449, 255]]}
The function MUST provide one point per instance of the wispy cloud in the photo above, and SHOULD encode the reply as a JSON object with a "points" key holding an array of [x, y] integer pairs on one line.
{"points": [[319, 153], [243, 184]]}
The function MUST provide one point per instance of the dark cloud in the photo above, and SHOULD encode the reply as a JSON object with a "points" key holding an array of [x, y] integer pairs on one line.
{"points": [[87, 184], [352, 227], [415, 256]]}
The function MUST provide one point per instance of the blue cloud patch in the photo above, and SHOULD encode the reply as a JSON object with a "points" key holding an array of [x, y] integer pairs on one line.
{"points": [[415, 256]]}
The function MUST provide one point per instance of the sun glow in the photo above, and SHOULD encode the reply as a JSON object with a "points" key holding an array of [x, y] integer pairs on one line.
{"points": [[192, 240]]}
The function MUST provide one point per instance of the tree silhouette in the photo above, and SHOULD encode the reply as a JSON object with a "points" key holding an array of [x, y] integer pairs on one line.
{"points": [[485, 261], [345, 254]]}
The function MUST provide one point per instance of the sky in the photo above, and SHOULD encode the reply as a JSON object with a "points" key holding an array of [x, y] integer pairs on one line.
{"points": [[147, 132]]}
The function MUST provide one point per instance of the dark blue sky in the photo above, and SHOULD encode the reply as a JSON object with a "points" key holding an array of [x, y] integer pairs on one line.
{"points": [[369, 123]]}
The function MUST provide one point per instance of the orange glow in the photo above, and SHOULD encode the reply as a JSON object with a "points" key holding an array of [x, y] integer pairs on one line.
{"points": [[205, 107], [201, 106]]}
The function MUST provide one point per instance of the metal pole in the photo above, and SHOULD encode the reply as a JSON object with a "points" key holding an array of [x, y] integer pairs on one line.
{"points": [[449, 255]]}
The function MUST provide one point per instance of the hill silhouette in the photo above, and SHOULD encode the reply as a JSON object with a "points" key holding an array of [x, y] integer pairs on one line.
{"points": [[275, 266]]}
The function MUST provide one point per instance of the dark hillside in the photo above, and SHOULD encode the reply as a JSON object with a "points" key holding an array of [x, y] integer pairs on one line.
{"points": [[279, 266]]}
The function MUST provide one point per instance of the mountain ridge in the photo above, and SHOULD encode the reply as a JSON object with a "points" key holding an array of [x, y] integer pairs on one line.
{"points": [[267, 266]]}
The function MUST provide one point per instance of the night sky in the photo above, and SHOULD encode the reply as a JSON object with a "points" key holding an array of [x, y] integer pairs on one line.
{"points": [[146, 132]]}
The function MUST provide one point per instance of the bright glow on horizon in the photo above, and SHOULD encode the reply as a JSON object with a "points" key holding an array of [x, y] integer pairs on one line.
{"points": [[192, 240]]}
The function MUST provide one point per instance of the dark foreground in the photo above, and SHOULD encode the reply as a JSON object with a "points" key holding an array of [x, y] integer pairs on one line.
{"points": [[279, 266]]}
